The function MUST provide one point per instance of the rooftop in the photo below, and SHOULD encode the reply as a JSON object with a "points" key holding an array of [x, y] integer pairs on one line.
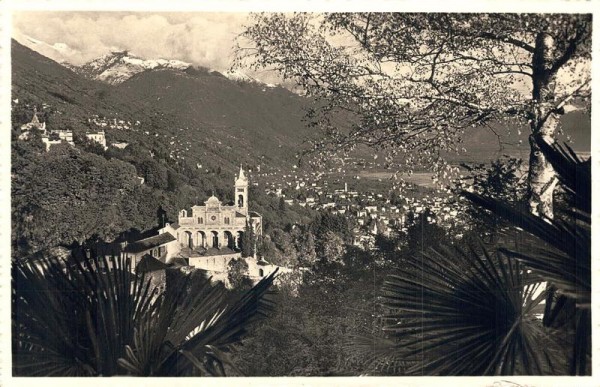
{"points": [[149, 243], [149, 264]]}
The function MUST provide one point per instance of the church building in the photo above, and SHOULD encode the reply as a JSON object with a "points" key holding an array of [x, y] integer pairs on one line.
{"points": [[49, 137], [209, 237], [35, 123], [215, 224]]}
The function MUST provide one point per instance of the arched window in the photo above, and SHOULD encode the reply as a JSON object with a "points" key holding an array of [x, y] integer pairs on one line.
{"points": [[200, 220], [261, 272], [240, 200], [226, 220]]}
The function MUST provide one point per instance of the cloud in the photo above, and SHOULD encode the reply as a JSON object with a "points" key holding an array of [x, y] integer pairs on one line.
{"points": [[204, 39]]}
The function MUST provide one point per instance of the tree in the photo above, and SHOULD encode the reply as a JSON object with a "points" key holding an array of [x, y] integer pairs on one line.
{"points": [[285, 245], [161, 217], [87, 144], [423, 233], [328, 222], [500, 180], [282, 205], [416, 82], [237, 274], [305, 245], [154, 173], [503, 179], [332, 248], [248, 241], [386, 245]]}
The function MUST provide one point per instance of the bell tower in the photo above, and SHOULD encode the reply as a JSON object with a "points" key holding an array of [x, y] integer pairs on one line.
{"points": [[241, 192]]}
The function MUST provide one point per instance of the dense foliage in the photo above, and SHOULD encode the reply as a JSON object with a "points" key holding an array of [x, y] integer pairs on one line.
{"points": [[321, 307]]}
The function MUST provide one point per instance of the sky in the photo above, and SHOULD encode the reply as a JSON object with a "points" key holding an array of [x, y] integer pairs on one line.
{"points": [[204, 39], [200, 38]]}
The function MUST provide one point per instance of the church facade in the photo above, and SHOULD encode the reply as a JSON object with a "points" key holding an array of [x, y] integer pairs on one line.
{"points": [[217, 225]]}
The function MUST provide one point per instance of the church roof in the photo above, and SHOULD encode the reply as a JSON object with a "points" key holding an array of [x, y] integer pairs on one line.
{"points": [[239, 215], [149, 243], [213, 200], [35, 120], [34, 123]]}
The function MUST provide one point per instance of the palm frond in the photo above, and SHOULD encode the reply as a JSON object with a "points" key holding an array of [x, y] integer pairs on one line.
{"points": [[458, 312], [562, 253], [198, 322], [74, 316], [574, 173], [94, 316]]}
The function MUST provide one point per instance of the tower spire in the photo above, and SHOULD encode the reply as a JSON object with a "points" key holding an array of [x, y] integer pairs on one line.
{"points": [[241, 191], [241, 175], [35, 119]]}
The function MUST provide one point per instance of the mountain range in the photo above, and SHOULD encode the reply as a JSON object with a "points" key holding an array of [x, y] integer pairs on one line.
{"points": [[205, 116]]}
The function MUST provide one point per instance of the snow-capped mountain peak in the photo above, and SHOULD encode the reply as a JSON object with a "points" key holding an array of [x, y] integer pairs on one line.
{"points": [[119, 66]]}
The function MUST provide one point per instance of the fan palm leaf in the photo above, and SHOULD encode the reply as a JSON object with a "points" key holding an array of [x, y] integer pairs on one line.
{"points": [[94, 316], [191, 334], [456, 312], [562, 253]]}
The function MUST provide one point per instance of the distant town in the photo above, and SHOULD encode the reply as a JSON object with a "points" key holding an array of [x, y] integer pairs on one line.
{"points": [[371, 212]]}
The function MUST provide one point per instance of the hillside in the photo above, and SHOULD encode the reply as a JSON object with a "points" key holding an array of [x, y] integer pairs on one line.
{"points": [[97, 193], [249, 119], [199, 116], [35, 77]]}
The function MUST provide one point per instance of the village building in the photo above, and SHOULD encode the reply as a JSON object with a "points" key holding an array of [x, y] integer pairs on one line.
{"points": [[161, 247], [98, 136], [120, 145], [154, 269]]}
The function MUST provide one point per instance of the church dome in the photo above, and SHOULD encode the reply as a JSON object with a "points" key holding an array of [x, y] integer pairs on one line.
{"points": [[213, 200]]}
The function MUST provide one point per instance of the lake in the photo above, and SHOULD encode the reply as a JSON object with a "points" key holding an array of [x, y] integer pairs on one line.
{"points": [[422, 179]]}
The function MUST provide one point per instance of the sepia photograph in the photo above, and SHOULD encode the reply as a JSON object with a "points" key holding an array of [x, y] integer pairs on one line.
{"points": [[300, 194]]}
